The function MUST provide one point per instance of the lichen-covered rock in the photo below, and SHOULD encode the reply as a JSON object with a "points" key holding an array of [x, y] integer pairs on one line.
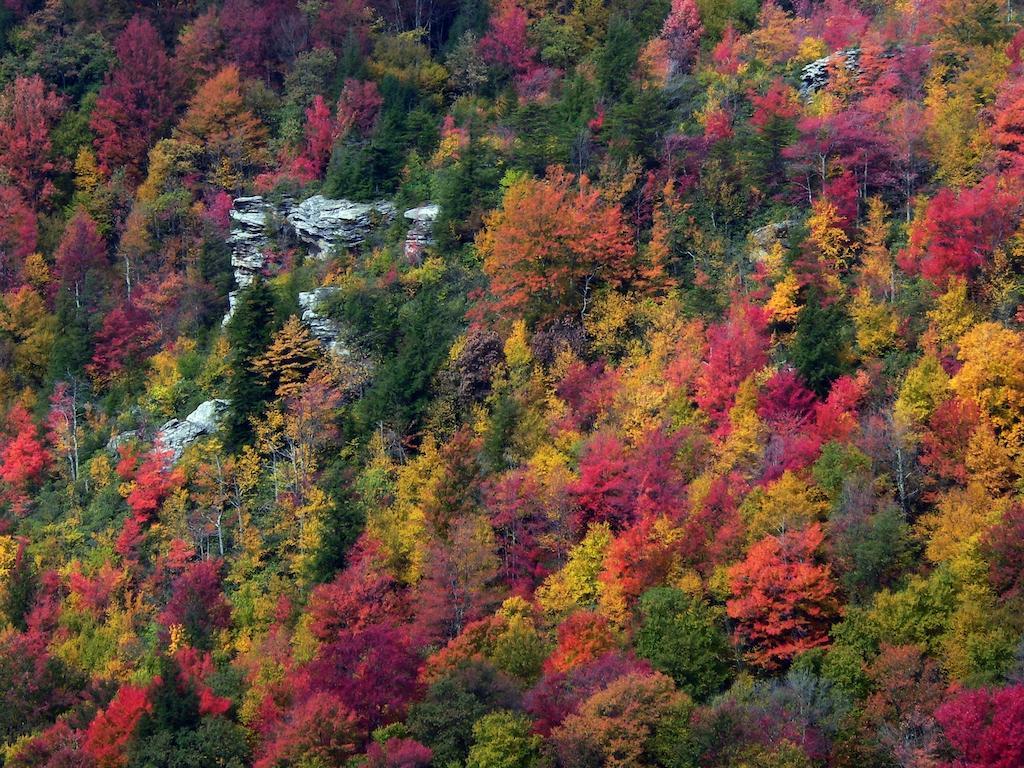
{"points": [[176, 435], [251, 220], [763, 238], [115, 442], [324, 224], [814, 76], [421, 231], [324, 329]]}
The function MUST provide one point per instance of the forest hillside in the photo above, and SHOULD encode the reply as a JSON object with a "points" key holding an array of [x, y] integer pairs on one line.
{"points": [[511, 384]]}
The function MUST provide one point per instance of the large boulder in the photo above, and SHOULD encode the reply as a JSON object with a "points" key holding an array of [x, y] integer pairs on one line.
{"points": [[762, 240], [814, 76], [176, 435]]}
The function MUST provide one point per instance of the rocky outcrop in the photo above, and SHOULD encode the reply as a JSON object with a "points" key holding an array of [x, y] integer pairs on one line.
{"points": [[421, 231], [253, 220], [354, 368], [177, 435], [320, 224], [115, 442], [324, 329], [814, 76], [762, 239], [324, 224]]}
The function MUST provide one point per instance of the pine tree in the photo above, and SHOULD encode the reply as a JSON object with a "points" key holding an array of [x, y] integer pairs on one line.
{"points": [[819, 344], [249, 332]]}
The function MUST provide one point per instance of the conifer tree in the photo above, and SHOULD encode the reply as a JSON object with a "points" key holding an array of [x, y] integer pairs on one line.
{"points": [[290, 359], [249, 333]]}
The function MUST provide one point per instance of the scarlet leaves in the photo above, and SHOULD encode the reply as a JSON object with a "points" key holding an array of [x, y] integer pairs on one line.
{"points": [[736, 348], [373, 671], [985, 727], [154, 481], [682, 33], [358, 107], [124, 339], [361, 596], [617, 486], [18, 235], [80, 255], [319, 136], [783, 600], [28, 113], [1008, 129], [112, 729], [959, 232], [506, 42], [196, 602], [137, 102], [24, 457]]}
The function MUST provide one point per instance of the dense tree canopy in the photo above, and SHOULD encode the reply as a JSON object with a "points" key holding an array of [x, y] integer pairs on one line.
{"points": [[512, 384]]}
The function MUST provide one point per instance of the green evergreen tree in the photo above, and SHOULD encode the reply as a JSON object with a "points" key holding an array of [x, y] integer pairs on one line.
{"points": [[618, 56], [820, 343], [71, 347], [249, 332]]}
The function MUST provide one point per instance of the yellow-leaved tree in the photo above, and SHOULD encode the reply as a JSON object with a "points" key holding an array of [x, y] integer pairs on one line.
{"points": [[925, 386], [787, 504], [954, 527], [992, 375], [576, 586]]}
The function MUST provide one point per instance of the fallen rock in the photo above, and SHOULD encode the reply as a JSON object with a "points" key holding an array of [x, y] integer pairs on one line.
{"points": [[421, 231], [176, 435]]}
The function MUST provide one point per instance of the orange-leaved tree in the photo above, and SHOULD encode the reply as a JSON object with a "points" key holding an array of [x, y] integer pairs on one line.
{"points": [[783, 601], [550, 246]]}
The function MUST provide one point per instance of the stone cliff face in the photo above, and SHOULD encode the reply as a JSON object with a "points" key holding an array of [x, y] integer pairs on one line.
{"points": [[318, 223], [421, 231], [322, 226], [253, 221]]}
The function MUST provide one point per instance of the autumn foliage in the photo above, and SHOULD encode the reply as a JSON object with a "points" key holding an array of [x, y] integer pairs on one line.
{"points": [[511, 384]]}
